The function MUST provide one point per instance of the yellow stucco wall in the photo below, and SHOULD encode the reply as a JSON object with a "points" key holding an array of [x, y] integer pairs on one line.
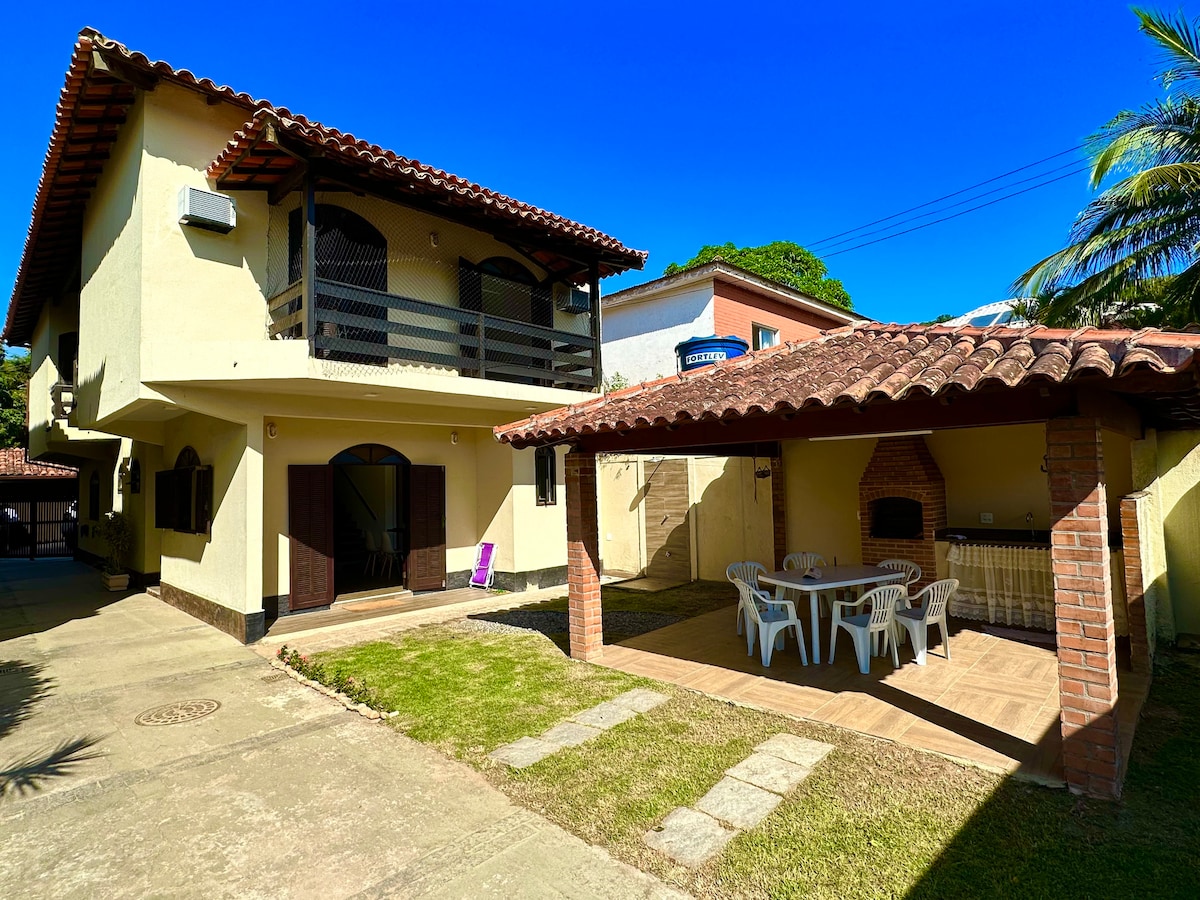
{"points": [[196, 283], [822, 496], [1167, 464], [482, 500], [731, 524], [110, 306], [620, 480], [727, 524], [996, 470], [226, 566]]}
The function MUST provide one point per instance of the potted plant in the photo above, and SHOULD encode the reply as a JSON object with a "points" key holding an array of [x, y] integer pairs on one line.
{"points": [[117, 534]]}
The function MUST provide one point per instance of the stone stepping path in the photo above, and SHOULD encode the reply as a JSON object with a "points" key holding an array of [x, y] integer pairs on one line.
{"points": [[579, 728], [747, 794]]}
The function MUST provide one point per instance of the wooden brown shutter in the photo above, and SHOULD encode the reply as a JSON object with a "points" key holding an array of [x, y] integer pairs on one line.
{"points": [[427, 524], [310, 534]]}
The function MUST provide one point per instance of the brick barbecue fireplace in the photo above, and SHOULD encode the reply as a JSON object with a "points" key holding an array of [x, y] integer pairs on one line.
{"points": [[901, 504]]}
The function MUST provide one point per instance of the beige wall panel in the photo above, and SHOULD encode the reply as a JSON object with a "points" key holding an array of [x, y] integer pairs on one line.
{"points": [[731, 525], [1178, 486], [822, 496], [217, 567], [111, 271], [202, 284], [621, 520], [540, 532]]}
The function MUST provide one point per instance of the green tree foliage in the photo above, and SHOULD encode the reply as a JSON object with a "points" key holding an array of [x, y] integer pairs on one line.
{"points": [[14, 377], [780, 261], [1133, 255]]}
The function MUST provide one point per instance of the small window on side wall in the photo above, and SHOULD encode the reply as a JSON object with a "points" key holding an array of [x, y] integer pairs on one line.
{"points": [[183, 495], [545, 464], [765, 337]]}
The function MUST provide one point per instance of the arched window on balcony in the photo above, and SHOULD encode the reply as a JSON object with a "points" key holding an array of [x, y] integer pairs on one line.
{"points": [[350, 253]]}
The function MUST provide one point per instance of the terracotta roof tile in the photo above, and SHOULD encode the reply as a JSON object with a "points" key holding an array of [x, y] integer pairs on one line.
{"points": [[15, 463], [863, 363], [93, 105]]}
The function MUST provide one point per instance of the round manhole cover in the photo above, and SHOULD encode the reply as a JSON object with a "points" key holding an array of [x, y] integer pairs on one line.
{"points": [[175, 713]]}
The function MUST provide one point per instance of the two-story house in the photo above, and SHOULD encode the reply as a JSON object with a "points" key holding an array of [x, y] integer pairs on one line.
{"points": [[281, 350], [642, 324]]}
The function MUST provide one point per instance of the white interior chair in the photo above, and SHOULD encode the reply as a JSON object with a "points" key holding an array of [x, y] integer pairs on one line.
{"points": [[390, 553], [927, 608], [863, 627], [748, 572], [771, 619], [374, 557], [805, 560]]}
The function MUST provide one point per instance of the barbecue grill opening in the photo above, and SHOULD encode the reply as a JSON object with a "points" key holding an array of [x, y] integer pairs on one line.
{"points": [[897, 518]]}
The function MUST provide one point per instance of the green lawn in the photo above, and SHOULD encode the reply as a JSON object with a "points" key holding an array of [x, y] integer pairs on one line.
{"points": [[874, 820]]}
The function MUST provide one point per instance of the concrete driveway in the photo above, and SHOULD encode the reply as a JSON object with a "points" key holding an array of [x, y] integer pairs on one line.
{"points": [[276, 792]]}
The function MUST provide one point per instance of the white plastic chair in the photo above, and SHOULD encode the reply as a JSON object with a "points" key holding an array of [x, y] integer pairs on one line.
{"points": [[805, 560], [771, 619], [748, 572], [374, 556], [881, 620], [929, 607], [912, 572]]}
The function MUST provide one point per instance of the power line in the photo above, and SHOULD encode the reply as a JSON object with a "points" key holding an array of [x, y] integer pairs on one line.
{"points": [[971, 199], [957, 214], [953, 194]]}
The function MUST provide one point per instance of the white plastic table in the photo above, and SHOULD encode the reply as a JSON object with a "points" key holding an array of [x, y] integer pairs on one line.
{"points": [[832, 577]]}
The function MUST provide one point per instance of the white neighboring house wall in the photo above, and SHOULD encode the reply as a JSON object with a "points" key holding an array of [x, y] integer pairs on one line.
{"points": [[638, 339]]}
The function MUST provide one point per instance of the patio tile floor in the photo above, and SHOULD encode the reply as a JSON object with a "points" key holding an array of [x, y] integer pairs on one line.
{"points": [[995, 703]]}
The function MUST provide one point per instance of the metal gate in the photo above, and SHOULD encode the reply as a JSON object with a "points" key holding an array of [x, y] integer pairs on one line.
{"points": [[33, 529]]}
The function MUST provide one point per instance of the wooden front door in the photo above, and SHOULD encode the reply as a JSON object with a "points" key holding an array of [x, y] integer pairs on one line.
{"points": [[310, 536], [427, 528]]}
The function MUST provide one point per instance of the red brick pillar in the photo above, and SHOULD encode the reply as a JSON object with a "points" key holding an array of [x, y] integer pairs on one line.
{"points": [[1087, 656], [583, 557], [1135, 589], [779, 510]]}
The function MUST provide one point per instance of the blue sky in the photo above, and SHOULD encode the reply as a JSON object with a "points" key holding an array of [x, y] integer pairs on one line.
{"points": [[672, 125]]}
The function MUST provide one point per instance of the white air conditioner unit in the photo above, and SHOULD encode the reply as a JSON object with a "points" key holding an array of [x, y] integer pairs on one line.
{"points": [[575, 301], [206, 209]]}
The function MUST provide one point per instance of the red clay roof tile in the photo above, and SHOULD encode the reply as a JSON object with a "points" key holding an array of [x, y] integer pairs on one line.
{"points": [[850, 366], [15, 463]]}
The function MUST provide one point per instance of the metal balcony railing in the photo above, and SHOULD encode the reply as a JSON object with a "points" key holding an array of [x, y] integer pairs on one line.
{"points": [[359, 325]]}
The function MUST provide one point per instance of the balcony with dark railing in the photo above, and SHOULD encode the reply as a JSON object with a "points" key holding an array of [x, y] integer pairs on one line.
{"points": [[361, 326]]}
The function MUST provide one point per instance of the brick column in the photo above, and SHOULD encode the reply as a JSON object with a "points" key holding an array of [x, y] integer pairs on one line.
{"points": [[779, 510], [583, 557], [1135, 589], [1087, 657]]}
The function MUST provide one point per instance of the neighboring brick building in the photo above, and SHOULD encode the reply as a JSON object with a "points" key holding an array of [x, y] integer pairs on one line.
{"points": [[641, 325]]}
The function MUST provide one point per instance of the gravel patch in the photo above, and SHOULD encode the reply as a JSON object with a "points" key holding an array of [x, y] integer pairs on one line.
{"points": [[553, 622]]}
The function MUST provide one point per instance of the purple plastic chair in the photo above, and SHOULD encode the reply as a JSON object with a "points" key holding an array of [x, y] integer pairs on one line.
{"points": [[483, 573]]}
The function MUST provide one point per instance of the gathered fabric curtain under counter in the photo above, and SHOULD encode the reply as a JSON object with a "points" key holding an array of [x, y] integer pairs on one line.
{"points": [[1015, 586]]}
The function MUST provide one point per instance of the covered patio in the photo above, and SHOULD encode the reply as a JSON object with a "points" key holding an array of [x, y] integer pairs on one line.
{"points": [[1056, 711]]}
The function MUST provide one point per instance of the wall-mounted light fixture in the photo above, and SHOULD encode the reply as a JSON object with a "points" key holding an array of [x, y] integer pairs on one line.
{"points": [[272, 430], [433, 239], [454, 437]]}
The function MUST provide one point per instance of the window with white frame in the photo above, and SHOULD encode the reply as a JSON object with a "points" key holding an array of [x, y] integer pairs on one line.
{"points": [[765, 337]]}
